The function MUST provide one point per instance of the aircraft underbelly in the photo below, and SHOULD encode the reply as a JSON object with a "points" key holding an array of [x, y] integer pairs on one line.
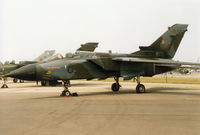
{"points": [[130, 70]]}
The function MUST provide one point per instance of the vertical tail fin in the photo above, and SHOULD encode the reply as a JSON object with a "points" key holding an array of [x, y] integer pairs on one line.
{"points": [[90, 46], [167, 44]]}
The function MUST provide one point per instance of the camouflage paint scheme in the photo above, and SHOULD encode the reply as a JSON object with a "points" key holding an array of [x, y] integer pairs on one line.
{"points": [[47, 56], [90, 47], [148, 61], [8, 67]]}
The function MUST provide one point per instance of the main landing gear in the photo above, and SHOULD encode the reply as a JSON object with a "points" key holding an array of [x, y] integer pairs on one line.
{"points": [[15, 80], [66, 92], [116, 86], [4, 83], [140, 88]]}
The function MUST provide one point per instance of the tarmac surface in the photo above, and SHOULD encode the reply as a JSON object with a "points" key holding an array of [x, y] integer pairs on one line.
{"points": [[166, 109]]}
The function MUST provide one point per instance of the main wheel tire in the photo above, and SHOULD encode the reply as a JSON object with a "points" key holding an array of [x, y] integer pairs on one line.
{"points": [[15, 80], [43, 83], [68, 93], [140, 88], [115, 87], [21, 81]]}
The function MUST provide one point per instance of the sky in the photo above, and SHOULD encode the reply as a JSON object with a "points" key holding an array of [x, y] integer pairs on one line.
{"points": [[29, 27]]}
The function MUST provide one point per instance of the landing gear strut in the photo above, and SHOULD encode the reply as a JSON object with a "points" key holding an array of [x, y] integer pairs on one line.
{"points": [[66, 91], [116, 86], [4, 83], [43, 83], [140, 88]]}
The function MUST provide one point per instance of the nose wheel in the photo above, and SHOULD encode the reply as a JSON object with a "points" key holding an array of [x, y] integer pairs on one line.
{"points": [[66, 92], [140, 88]]}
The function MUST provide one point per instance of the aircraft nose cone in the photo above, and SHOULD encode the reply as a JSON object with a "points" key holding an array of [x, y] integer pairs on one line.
{"points": [[27, 72]]}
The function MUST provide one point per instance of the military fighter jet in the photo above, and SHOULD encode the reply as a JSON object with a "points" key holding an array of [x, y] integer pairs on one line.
{"points": [[8, 67], [80, 53], [47, 56], [148, 61]]}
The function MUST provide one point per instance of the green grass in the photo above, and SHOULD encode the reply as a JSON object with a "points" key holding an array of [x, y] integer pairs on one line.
{"points": [[176, 80]]}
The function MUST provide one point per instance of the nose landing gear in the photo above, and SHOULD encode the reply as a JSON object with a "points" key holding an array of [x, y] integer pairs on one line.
{"points": [[66, 92]]}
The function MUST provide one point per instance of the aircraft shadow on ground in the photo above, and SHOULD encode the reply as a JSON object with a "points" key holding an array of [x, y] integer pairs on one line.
{"points": [[153, 90], [92, 94], [164, 90], [107, 93]]}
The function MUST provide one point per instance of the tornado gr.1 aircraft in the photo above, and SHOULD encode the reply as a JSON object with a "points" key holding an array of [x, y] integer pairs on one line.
{"points": [[80, 52], [8, 67], [148, 61], [47, 56]]}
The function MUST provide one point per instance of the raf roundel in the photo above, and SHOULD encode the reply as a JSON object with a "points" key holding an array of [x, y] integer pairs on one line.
{"points": [[70, 70], [163, 42]]}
